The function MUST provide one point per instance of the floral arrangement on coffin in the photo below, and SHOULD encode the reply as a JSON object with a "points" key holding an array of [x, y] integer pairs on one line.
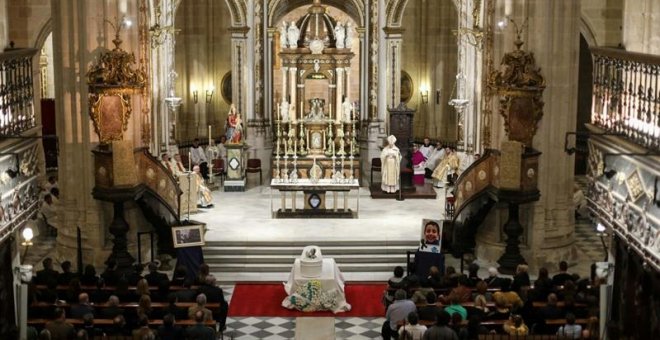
{"points": [[310, 298]]}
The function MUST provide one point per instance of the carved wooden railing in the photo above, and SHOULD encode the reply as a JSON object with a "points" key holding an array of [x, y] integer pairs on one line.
{"points": [[626, 91], [16, 91], [149, 172]]}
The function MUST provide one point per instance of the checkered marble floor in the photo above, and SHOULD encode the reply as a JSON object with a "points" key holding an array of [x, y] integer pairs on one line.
{"points": [[274, 328], [586, 238]]}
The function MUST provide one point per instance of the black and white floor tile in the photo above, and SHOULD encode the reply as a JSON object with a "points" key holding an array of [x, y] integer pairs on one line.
{"points": [[274, 328]]}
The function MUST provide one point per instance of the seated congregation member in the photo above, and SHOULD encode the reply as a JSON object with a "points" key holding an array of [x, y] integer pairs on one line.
{"points": [[143, 332], [473, 274], [429, 311], [563, 275], [397, 312], [141, 289], [155, 277], [89, 277], [521, 279], [82, 307], [482, 297], [450, 279], [548, 312], [44, 275], [493, 280], [179, 313], [179, 276], [412, 330], [200, 307], [199, 331], [210, 289], [118, 330], [123, 292], [112, 309], [515, 325], [187, 294], [100, 294], [434, 279], [162, 293], [542, 286], [512, 299], [462, 292], [570, 330], [501, 311], [393, 283], [90, 328], [204, 271], [49, 294], [456, 324], [441, 330], [58, 327], [110, 274], [455, 307], [135, 275], [169, 330], [66, 275], [72, 293]]}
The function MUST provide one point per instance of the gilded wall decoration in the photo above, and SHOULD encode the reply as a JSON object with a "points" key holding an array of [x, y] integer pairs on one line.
{"points": [[520, 86], [635, 185]]}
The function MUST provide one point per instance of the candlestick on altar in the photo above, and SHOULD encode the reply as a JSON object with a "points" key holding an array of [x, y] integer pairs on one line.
{"points": [[210, 135], [330, 110], [279, 114], [302, 110], [277, 163], [295, 148], [190, 160], [351, 161]]}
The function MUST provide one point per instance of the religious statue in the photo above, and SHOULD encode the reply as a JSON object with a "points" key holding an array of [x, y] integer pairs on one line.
{"points": [[340, 35], [293, 33], [390, 159], [231, 123], [340, 135], [237, 136], [346, 109], [316, 111], [283, 34], [284, 111], [349, 37]]}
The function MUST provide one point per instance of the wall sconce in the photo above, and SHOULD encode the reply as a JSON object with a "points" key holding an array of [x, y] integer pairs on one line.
{"points": [[424, 93], [209, 94], [195, 94]]}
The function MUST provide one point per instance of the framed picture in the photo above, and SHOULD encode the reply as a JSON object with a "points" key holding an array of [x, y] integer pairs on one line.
{"points": [[431, 240], [188, 236], [407, 88], [635, 185]]}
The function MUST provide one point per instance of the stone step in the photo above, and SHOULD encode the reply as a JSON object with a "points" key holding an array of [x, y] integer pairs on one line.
{"points": [[320, 243], [296, 251], [229, 268], [288, 259]]}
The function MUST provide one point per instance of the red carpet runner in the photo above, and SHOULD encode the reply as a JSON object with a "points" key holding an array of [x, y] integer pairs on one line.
{"points": [[257, 299]]}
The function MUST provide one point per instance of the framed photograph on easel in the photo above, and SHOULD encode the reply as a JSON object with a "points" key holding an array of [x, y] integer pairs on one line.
{"points": [[188, 236]]}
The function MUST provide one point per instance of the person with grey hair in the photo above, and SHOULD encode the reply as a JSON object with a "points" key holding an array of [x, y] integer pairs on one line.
{"points": [[200, 306], [397, 312], [112, 309], [155, 277]]}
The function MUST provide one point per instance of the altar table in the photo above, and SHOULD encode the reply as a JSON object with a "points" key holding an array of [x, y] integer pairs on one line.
{"points": [[314, 195]]}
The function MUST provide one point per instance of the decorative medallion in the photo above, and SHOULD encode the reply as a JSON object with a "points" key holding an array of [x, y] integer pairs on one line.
{"points": [[635, 185], [530, 173], [316, 46], [468, 186], [234, 163], [150, 173], [102, 171], [496, 171], [482, 175], [161, 184], [314, 201]]}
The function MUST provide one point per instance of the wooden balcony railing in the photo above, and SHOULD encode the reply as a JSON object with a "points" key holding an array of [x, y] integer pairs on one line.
{"points": [[626, 87], [16, 91]]}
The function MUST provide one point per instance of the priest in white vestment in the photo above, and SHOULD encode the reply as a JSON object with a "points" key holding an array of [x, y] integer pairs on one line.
{"points": [[205, 199], [390, 158]]}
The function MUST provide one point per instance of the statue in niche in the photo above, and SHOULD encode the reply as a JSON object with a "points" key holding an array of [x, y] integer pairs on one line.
{"points": [[349, 36], [316, 112], [284, 111], [340, 35], [346, 108], [293, 32], [283, 35]]}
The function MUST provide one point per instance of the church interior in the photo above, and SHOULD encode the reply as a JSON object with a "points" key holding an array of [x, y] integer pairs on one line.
{"points": [[329, 169]]}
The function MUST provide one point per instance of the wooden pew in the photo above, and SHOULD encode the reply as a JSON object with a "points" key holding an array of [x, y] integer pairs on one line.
{"points": [[108, 322], [209, 305], [111, 288], [494, 323]]}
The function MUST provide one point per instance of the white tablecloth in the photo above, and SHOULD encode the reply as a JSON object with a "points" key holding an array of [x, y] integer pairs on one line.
{"points": [[331, 280]]}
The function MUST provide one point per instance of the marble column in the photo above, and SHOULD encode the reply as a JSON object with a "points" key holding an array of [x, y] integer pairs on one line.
{"points": [[392, 52]]}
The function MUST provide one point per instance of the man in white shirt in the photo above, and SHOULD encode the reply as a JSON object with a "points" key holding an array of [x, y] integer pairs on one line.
{"points": [[411, 328], [198, 157]]}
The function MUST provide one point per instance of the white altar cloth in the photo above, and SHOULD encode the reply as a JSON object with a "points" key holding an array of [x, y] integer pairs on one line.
{"points": [[331, 280]]}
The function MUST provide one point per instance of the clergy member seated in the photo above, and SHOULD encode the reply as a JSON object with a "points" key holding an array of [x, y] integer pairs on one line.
{"points": [[205, 199], [198, 158]]}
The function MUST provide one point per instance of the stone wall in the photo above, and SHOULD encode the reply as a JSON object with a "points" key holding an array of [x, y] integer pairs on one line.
{"points": [[602, 22], [26, 20], [641, 26]]}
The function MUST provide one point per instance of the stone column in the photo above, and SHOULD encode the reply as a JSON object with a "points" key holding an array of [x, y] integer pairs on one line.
{"points": [[77, 27], [548, 223], [239, 78], [393, 38]]}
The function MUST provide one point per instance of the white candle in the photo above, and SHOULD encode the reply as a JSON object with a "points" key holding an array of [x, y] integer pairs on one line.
{"points": [[330, 111], [278, 111], [209, 135], [189, 161], [295, 147]]}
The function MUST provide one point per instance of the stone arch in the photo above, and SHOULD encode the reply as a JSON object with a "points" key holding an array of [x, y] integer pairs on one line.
{"points": [[238, 10], [587, 32], [43, 34], [394, 12], [278, 8]]}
